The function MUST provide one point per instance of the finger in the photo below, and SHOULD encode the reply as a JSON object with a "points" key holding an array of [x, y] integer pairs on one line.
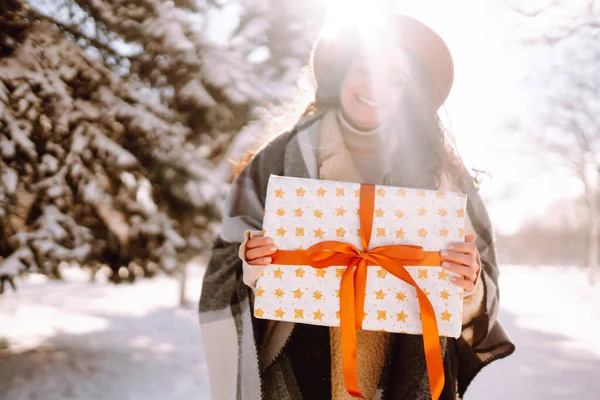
{"points": [[467, 272], [263, 261], [463, 283], [462, 247], [259, 252], [459, 258], [470, 238], [258, 242]]}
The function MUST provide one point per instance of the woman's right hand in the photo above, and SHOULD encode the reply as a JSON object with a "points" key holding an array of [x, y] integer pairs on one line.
{"points": [[258, 251]]}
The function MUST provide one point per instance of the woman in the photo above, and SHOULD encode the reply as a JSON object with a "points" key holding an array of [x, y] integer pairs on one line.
{"points": [[374, 121]]}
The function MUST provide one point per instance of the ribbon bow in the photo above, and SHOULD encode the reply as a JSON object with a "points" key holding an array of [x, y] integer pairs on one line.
{"points": [[393, 259]]}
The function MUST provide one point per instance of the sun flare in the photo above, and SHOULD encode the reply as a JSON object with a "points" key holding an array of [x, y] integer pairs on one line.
{"points": [[365, 15]]}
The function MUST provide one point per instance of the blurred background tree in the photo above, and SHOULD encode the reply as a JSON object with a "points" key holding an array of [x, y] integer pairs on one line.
{"points": [[564, 132], [116, 117]]}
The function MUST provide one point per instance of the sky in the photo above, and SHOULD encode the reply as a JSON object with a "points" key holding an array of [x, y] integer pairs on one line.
{"points": [[497, 80]]}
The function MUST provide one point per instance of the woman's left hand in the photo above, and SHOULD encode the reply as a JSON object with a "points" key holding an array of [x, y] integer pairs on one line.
{"points": [[462, 258]]}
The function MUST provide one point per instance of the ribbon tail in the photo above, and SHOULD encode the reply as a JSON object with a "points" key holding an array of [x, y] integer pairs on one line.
{"points": [[431, 342], [431, 339], [348, 332], [360, 289]]}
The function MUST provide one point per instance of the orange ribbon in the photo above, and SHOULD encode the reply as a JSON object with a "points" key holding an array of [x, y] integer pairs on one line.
{"points": [[393, 259]]}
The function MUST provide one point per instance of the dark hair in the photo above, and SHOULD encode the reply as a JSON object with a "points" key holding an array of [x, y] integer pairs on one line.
{"points": [[423, 137], [422, 133]]}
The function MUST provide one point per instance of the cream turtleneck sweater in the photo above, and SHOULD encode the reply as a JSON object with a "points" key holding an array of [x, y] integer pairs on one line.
{"points": [[371, 150]]}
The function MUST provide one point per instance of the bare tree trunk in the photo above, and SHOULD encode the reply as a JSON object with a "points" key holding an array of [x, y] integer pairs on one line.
{"points": [[591, 188], [182, 278], [593, 247]]}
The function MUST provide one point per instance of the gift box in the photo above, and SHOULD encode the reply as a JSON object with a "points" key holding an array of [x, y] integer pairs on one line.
{"points": [[302, 212], [364, 254]]}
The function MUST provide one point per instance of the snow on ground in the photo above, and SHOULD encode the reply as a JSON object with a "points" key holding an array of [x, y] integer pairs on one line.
{"points": [[96, 341], [92, 341], [553, 316]]}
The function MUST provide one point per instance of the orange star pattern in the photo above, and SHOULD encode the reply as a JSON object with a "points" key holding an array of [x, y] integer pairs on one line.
{"points": [[279, 292], [319, 233], [339, 272], [300, 192], [444, 294], [380, 294], [339, 192], [399, 214], [446, 316], [318, 315], [298, 293], [321, 273], [460, 213], [298, 313], [381, 315], [357, 193], [442, 275], [444, 232], [279, 313], [337, 315], [317, 295], [281, 231], [401, 192], [442, 212], [440, 195], [380, 192], [380, 232], [381, 273], [339, 212], [400, 234], [321, 192], [401, 316], [299, 231], [280, 212], [259, 313], [423, 232], [259, 292], [423, 273], [400, 296], [426, 292], [278, 273], [298, 212], [318, 214], [379, 212], [279, 193], [461, 232], [340, 232], [421, 193], [422, 211]]}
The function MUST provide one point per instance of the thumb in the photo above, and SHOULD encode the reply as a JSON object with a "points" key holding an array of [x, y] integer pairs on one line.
{"points": [[470, 238]]}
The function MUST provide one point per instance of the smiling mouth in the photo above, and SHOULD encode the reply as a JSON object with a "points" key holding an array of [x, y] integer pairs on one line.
{"points": [[366, 101]]}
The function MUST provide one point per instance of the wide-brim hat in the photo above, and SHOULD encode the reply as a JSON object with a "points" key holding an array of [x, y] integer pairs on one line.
{"points": [[423, 43]]}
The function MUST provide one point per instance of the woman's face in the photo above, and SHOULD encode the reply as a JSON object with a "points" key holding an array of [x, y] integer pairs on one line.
{"points": [[373, 87]]}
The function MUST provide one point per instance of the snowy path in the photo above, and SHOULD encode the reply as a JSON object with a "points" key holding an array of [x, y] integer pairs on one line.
{"points": [[74, 340], [98, 341], [553, 316]]}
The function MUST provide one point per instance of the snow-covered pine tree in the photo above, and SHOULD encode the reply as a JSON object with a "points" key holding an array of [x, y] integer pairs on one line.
{"points": [[114, 116]]}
